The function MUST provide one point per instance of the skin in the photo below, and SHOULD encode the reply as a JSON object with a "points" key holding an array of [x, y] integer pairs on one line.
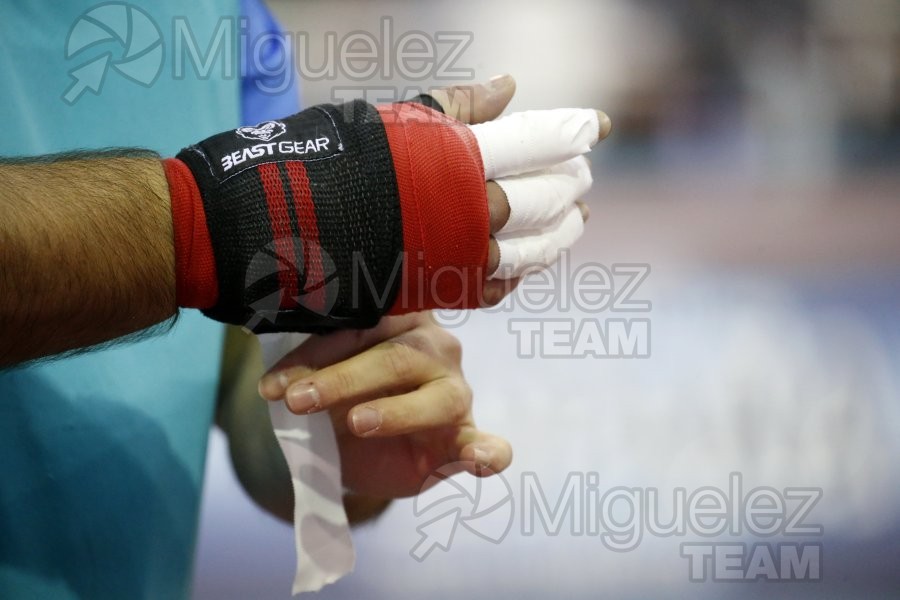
{"points": [[399, 402], [87, 251], [396, 394]]}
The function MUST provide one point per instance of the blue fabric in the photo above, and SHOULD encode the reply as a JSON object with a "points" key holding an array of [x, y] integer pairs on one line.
{"points": [[269, 88], [103, 453]]}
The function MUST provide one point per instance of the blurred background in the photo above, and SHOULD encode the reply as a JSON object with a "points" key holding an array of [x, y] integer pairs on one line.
{"points": [[753, 166]]}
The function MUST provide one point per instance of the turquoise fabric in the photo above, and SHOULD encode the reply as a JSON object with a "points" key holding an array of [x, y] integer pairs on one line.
{"points": [[102, 454]]}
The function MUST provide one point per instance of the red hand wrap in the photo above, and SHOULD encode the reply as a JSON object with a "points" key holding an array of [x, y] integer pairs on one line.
{"points": [[443, 200], [195, 266], [346, 181]]}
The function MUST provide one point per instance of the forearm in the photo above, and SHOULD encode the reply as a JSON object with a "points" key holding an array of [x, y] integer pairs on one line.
{"points": [[86, 251]]}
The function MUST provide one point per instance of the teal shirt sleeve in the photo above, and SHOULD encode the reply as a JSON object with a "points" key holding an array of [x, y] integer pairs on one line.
{"points": [[103, 453]]}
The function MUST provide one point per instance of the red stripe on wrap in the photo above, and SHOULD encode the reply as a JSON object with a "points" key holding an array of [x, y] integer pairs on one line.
{"points": [[196, 284], [443, 202], [281, 233], [314, 290]]}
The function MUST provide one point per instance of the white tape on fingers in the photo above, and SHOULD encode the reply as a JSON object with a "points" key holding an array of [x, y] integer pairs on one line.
{"points": [[536, 139], [522, 253], [539, 200]]}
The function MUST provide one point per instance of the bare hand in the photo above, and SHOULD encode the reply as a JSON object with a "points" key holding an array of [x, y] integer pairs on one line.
{"points": [[398, 400]]}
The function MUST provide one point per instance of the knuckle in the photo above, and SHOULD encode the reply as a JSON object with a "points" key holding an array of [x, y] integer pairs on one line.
{"points": [[459, 394], [400, 361], [417, 341], [449, 346]]}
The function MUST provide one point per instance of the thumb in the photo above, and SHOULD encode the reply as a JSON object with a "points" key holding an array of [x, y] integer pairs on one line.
{"points": [[476, 103]]}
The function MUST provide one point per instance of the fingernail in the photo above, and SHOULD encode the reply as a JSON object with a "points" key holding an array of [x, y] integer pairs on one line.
{"points": [[585, 211], [605, 126], [366, 420], [482, 456], [498, 83], [272, 385], [303, 398]]}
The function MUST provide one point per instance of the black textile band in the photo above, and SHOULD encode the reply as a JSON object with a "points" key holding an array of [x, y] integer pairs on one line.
{"points": [[429, 101], [245, 180]]}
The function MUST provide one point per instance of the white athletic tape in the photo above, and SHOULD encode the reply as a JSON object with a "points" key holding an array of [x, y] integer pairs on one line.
{"points": [[539, 200], [521, 253], [529, 141], [321, 530]]}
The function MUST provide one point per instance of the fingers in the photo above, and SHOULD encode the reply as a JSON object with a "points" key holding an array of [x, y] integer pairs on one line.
{"points": [[533, 207], [539, 200], [476, 103], [533, 140], [483, 453], [536, 173], [535, 202], [521, 253], [498, 206], [319, 351], [493, 292], [401, 364], [445, 401], [382, 370]]}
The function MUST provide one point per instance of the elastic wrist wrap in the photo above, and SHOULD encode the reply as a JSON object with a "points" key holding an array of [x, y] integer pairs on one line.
{"points": [[330, 218]]}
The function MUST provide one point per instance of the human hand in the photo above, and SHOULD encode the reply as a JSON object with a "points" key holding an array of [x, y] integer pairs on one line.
{"points": [[398, 400], [527, 204], [321, 189]]}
